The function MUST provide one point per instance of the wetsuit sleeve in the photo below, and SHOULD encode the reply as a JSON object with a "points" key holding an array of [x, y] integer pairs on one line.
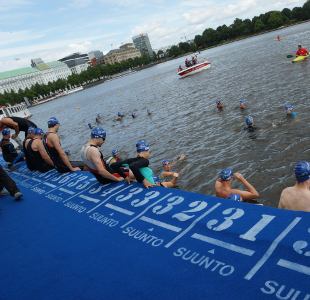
{"points": [[11, 148], [136, 165], [117, 166]]}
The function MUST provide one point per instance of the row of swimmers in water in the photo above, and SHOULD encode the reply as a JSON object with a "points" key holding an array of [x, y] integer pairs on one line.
{"points": [[119, 117]]}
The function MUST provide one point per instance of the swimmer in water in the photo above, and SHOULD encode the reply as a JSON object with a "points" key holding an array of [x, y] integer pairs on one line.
{"points": [[169, 184], [119, 115], [148, 112], [219, 104], [251, 128], [242, 104], [134, 115], [166, 167], [298, 197], [138, 166], [89, 125], [97, 119], [114, 157], [223, 186], [235, 197], [289, 111]]}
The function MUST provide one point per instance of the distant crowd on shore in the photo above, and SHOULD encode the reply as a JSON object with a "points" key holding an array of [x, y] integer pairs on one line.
{"points": [[43, 152]]}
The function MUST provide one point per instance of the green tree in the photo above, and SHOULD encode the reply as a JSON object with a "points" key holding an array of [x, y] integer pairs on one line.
{"points": [[286, 12], [184, 47], [275, 19], [306, 10], [175, 51], [296, 14], [198, 40], [259, 25], [193, 47]]}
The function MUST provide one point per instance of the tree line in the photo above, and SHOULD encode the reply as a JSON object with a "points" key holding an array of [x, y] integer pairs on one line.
{"points": [[243, 28], [72, 80]]}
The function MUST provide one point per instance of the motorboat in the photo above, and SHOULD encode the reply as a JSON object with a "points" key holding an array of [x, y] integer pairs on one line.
{"points": [[195, 69]]}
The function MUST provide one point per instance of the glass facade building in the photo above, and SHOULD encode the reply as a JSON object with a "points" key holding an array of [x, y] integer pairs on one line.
{"points": [[142, 43]]}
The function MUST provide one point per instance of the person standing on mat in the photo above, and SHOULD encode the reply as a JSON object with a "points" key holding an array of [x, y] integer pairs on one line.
{"points": [[56, 153], [10, 185], [18, 124]]}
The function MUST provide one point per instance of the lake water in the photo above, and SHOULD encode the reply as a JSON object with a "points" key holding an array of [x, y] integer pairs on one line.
{"points": [[185, 120]]}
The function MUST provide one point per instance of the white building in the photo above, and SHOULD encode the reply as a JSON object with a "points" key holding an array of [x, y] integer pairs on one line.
{"points": [[77, 69], [60, 69], [95, 53]]}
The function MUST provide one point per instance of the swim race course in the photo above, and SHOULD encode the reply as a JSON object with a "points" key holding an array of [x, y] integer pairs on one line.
{"points": [[72, 238]]}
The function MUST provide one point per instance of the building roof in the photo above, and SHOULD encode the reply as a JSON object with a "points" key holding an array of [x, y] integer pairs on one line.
{"points": [[54, 64], [17, 72], [120, 50], [42, 67]]}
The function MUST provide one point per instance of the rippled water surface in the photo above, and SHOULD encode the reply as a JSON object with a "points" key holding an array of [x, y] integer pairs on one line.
{"points": [[185, 120]]}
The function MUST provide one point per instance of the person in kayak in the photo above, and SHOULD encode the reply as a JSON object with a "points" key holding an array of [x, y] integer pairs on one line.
{"points": [[251, 128], [223, 186], [114, 157], [93, 158], [289, 111], [18, 124], [242, 104], [219, 104], [298, 197], [278, 37], [167, 166], [37, 154], [169, 184], [180, 68], [138, 166], [54, 150], [301, 51]]}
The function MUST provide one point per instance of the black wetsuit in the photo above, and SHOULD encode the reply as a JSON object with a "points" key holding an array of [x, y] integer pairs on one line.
{"points": [[7, 182], [134, 165], [36, 159], [60, 166], [251, 128], [30, 165], [23, 124], [8, 151]]}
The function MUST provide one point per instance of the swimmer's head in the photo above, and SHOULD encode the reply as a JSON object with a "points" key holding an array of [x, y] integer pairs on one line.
{"points": [[242, 103], [143, 146], [249, 121], [133, 115], [89, 124], [218, 102], [302, 171], [156, 179], [38, 131], [6, 132], [67, 152], [31, 130], [115, 152], [288, 109], [52, 122], [226, 174], [148, 111], [235, 197], [166, 164], [99, 134], [119, 114]]}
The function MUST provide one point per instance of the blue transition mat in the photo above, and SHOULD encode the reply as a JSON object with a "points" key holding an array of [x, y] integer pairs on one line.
{"points": [[72, 238]]}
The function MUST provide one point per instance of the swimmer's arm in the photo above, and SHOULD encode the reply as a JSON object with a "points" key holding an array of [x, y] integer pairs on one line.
{"points": [[246, 195], [165, 174], [117, 166], [181, 158], [171, 183], [43, 153], [95, 156], [183, 169], [10, 122], [55, 140]]}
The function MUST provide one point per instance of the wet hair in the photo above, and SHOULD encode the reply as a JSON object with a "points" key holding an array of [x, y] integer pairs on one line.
{"points": [[299, 46], [51, 125]]}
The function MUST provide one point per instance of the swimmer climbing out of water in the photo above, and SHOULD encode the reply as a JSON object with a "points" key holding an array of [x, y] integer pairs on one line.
{"points": [[114, 157], [242, 104], [223, 186], [138, 166], [167, 165], [251, 128], [289, 111], [169, 184], [298, 197], [219, 104]]}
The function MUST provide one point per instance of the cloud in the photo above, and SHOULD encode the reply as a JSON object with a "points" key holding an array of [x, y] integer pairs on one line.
{"points": [[13, 4]]}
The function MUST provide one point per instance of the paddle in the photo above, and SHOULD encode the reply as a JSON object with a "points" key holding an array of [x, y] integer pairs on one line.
{"points": [[290, 56]]}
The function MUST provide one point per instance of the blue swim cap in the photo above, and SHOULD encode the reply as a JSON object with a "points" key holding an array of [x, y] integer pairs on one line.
{"points": [[156, 178], [98, 116], [249, 121], [38, 131], [164, 161], [6, 131], [114, 152], [147, 110], [242, 101], [89, 124], [288, 107], [52, 120], [133, 115], [119, 114], [142, 146], [31, 129], [302, 171], [98, 133], [218, 102], [67, 152], [226, 174], [235, 197]]}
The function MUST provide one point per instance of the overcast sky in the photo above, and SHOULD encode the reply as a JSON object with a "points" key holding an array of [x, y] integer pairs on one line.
{"points": [[53, 29]]}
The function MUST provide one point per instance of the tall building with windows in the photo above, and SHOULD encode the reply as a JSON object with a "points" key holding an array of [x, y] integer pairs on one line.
{"points": [[123, 53], [95, 53], [142, 43]]}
